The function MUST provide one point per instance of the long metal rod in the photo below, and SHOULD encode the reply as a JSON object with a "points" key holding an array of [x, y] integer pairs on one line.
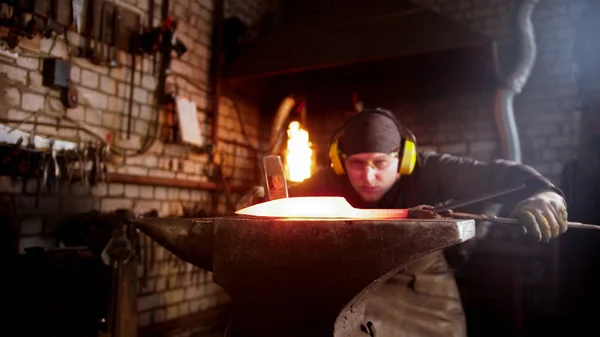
{"points": [[483, 197], [482, 217]]}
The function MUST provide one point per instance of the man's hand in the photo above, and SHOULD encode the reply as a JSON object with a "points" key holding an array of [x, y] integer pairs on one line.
{"points": [[253, 196], [543, 215]]}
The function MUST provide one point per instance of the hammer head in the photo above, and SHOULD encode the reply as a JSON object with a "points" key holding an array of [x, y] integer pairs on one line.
{"points": [[274, 178]]}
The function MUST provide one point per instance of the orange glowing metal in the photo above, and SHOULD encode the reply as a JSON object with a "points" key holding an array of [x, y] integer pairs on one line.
{"points": [[318, 207]]}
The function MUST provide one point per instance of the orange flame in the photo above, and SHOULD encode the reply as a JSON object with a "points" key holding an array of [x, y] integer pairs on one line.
{"points": [[298, 159], [319, 207]]}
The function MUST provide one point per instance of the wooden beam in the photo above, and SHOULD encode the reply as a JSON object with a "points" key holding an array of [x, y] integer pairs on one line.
{"points": [[169, 182]]}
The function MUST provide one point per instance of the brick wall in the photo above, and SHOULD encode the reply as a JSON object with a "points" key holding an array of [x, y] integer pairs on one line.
{"points": [[172, 288], [547, 111]]}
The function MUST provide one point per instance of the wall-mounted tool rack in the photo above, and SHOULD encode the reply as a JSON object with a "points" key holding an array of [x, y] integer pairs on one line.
{"points": [[101, 21]]}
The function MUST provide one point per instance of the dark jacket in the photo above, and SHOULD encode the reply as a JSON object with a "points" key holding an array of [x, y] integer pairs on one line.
{"points": [[422, 299], [435, 179]]}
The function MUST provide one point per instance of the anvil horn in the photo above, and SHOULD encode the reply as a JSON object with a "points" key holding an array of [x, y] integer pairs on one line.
{"points": [[190, 240]]}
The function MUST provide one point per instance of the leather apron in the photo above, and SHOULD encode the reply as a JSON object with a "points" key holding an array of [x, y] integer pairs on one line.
{"points": [[422, 300]]}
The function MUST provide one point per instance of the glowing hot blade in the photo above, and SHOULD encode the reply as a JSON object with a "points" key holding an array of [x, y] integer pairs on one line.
{"points": [[318, 207]]}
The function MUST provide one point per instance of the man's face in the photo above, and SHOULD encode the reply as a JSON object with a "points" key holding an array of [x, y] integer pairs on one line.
{"points": [[372, 174]]}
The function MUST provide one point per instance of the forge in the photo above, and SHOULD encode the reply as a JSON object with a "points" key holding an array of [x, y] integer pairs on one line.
{"points": [[302, 276]]}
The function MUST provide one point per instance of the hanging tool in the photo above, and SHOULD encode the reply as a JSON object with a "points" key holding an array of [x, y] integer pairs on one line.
{"points": [[82, 154], [131, 87], [113, 56], [51, 170], [98, 56], [52, 24], [96, 171], [77, 7]]}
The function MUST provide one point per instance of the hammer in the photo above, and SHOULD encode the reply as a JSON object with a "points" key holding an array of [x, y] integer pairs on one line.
{"points": [[274, 178]]}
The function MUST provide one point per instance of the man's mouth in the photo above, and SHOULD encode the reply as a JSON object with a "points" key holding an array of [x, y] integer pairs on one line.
{"points": [[369, 189]]}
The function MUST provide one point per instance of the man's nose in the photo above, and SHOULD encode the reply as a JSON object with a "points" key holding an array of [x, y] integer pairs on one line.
{"points": [[369, 174]]}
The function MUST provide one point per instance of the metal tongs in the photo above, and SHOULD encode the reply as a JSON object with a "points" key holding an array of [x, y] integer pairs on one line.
{"points": [[446, 210]]}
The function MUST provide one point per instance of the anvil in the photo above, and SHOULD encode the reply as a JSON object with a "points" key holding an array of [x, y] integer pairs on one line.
{"points": [[298, 276]]}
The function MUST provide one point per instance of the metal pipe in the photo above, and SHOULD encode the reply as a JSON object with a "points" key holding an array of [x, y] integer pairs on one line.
{"points": [[216, 65], [504, 99]]}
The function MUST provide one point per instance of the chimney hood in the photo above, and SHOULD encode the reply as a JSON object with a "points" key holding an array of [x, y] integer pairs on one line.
{"points": [[365, 32]]}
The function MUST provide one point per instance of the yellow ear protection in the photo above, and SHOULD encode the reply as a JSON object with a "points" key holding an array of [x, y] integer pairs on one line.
{"points": [[407, 148]]}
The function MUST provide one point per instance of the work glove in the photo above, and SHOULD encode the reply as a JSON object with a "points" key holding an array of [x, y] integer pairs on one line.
{"points": [[544, 215], [254, 196]]}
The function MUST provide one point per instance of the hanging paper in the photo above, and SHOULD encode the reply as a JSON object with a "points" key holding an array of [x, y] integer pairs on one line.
{"points": [[188, 122]]}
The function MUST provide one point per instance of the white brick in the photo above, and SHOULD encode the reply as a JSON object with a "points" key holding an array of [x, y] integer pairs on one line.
{"points": [[184, 195], [556, 168], [116, 104], [28, 63], [116, 190], [173, 296], [173, 193], [146, 192], [194, 292], [93, 117], [12, 96], [146, 206], [160, 193], [183, 176], [184, 308], [132, 191], [149, 302], [195, 306], [35, 82], [542, 130], [14, 73], [141, 127], [108, 205], [142, 5], [122, 89], [140, 95], [565, 92], [146, 112], [151, 161], [77, 113], [75, 73], [108, 85], [149, 82], [110, 120], [144, 319], [159, 315], [549, 155], [94, 99], [32, 102], [135, 109], [172, 312], [559, 142], [161, 282], [89, 79]]}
